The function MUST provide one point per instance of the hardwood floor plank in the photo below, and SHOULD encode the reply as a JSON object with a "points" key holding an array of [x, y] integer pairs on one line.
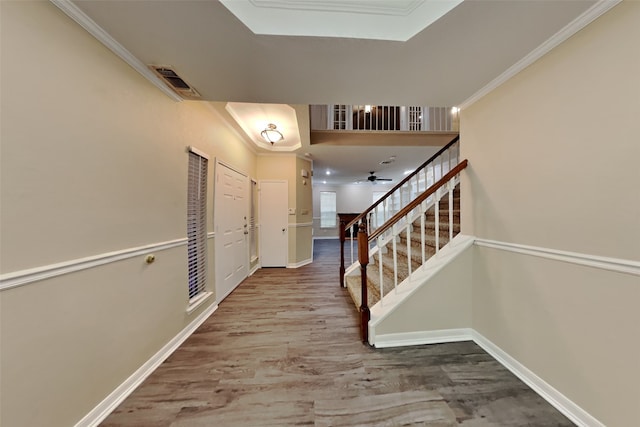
{"points": [[284, 350]]}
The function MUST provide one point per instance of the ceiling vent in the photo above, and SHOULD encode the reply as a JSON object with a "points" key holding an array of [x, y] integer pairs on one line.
{"points": [[175, 82]]}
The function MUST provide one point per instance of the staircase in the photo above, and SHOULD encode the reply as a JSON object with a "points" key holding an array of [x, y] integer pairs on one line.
{"points": [[406, 253]]}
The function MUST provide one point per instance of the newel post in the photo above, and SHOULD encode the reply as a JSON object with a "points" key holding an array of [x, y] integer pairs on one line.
{"points": [[363, 257], [342, 239]]}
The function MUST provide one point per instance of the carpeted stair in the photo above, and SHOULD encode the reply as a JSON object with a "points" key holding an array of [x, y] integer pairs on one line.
{"points": [[353, 280]]}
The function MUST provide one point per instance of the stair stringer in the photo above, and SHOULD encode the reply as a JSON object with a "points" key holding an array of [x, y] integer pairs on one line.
{"points": [[435, 301]]}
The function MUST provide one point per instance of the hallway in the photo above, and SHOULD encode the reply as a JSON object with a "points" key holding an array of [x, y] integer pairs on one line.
{"points": [[284, 349]]}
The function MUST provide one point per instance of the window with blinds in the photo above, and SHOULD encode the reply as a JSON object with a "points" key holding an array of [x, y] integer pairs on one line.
{"points": [[197, 224], [328, 209]]}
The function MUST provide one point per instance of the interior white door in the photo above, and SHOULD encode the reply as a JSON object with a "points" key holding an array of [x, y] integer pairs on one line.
{"points": [[274, 227], [231, 225]]}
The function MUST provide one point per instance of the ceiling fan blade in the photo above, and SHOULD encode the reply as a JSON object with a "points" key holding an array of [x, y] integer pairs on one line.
{"points": [[384, 179]]}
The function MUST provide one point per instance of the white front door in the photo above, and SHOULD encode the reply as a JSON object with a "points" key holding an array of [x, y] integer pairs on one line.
{"points": [[274, 227], [231, 225]]}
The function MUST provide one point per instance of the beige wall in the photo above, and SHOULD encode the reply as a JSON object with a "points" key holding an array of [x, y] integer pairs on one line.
{"points": [[553, 163], [93, 161], [444, 303]]}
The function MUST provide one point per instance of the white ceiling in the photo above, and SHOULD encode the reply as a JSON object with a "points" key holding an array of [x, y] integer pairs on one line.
{"points": [[397, 20], [443, 65]]}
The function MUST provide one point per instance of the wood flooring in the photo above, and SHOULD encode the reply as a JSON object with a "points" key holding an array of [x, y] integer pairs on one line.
{"points": [[284, 350]]}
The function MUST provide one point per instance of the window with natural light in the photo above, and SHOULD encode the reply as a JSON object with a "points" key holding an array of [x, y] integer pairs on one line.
{"points": [[328, 209], [197, 225]]}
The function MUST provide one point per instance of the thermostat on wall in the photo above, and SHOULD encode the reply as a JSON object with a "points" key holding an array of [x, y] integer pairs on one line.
{"points": [[304, 173]]}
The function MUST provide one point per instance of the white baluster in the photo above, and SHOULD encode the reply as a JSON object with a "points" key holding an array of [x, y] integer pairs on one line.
{"points": [[450, 209], [436, 208], [380, 239], [422, 231], [351, 242], [409, 246], [395, 256]]}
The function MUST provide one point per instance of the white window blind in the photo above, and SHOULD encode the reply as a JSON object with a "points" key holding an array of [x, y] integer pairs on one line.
{"points": [[328, 209], [197, 224]]}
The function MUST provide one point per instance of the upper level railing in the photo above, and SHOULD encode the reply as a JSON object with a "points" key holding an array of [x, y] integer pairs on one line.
{"points": [[404, 221], [400, 195], [384, 118]]}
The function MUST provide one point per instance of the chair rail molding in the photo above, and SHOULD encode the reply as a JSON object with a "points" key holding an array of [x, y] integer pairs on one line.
{"points": [[605, 263], [24, 277]]}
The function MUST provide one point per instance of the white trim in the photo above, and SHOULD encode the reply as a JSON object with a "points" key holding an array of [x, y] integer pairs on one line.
{"points": [[232, 126], [300, 224], [24, 277], [402, 339], [555, 398], [558, 400], [75, 13], [605, 263], [211, 235], [325, 238], [117, 396], [198, 152], [197, 301], [254, 269], [300, 264], [570, 29], [233, 168]]}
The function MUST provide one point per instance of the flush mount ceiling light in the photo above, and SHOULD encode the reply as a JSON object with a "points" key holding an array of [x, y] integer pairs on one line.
{"points": [[271, 134]]}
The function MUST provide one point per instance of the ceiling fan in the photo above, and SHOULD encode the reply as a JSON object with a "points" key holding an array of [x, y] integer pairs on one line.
{"points": [[373, 179]]}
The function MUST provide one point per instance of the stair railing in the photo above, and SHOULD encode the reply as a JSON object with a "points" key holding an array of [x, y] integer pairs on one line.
{"points": [[400, 195], [389, 231]]}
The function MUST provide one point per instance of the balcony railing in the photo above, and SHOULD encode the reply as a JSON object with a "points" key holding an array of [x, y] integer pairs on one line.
{"points": [[384, 118]]}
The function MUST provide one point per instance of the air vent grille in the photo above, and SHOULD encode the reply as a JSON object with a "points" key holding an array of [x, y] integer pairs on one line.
{"points": [[175, 82]]}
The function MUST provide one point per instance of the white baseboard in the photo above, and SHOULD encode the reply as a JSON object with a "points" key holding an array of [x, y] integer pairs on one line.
{"points": [[117, 396], [300, 264], [562, 403], [422, 337], [325, 237], [558, 400], [254, 269]]}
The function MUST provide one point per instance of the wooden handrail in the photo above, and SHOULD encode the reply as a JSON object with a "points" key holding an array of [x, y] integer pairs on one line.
{"points": [[416, 202], [401, 183]]}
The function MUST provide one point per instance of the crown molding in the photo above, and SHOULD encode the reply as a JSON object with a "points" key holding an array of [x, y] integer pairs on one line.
{"points": [[75, 13], [591, 14]]}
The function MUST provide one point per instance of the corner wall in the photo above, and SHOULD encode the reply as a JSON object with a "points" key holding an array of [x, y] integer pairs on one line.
{"points": [[93, 166], [553, 164]]}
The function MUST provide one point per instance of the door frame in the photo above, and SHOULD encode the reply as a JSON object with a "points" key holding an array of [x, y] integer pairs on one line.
{"points": [[217, 252], [261, 216]]}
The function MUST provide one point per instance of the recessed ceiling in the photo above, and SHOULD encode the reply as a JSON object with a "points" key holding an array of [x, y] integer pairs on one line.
{"points": [[397, 20], [254, 118]]}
